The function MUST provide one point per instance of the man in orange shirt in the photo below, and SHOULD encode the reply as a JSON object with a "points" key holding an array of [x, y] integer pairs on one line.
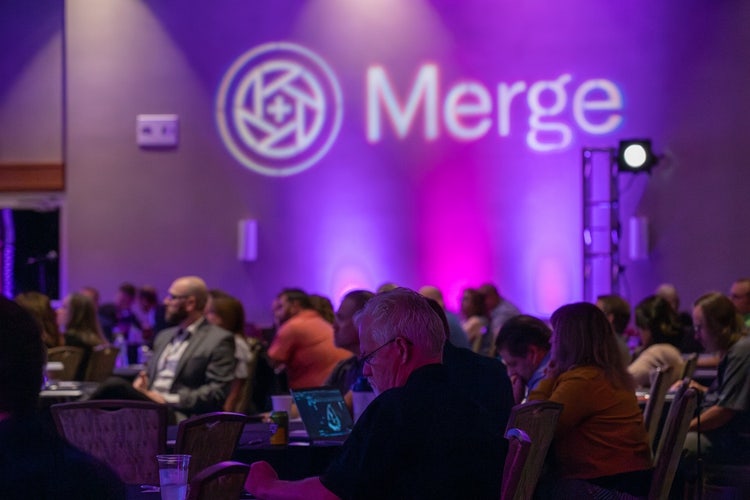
{"points": [[304, 342]]}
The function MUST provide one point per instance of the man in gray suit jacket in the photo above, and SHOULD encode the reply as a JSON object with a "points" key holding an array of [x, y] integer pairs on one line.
{"points": [[193, 363]]}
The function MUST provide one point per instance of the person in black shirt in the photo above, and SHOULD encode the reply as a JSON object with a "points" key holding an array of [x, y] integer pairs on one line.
{"points": [[35, 462], [422, 437]]}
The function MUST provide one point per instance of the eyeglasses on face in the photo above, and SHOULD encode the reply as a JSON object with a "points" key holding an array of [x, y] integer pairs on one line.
{"points": [[369, 357], [171, 296]]}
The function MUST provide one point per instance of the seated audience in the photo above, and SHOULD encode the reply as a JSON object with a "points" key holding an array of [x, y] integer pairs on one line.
{"points": [[118, 317], [39, 306], [227, 312], [600, 443], [77, 316], [345, 335], [323, 306], [689, 343], [466, 368], [386, 287], [476, 320], [457, 335], [740, 295], [303, 345], [421, 437], [660, 333], [523, 344], [500, 309], [725, 407], [193, 363], [35, 462], [617, 311], [150, 313]]}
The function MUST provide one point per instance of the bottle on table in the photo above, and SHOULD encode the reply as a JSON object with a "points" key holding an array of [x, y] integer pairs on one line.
{"points": [[362, 394]]}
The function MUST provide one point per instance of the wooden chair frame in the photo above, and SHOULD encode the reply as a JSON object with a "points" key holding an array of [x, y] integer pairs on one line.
{"points": [[224, 480], [538, 419], [655, 405], [70, 356], [672, 441], [515, 462], [209, 438]]}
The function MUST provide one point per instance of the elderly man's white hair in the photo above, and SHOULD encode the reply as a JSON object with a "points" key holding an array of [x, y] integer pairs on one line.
{"points": [[403, 312]]}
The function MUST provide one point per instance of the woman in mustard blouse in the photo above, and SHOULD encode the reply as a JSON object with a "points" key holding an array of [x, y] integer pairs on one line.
{"points": [[600, 442]]}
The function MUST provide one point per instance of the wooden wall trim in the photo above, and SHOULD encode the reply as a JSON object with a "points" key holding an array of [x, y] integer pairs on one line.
{"points": [[32, 177]]}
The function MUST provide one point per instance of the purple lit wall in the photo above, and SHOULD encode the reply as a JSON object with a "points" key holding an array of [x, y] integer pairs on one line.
{"points": [[479, 180]]}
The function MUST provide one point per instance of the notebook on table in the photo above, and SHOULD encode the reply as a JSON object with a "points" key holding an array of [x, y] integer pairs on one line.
{"points": [[324, 414]]}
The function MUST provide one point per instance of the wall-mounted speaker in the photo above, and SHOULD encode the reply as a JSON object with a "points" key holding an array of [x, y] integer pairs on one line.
{"points": [[247, 240], [638, 244]]}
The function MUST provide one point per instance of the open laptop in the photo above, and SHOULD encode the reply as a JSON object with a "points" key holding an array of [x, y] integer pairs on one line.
{"points": [[324, 414]]}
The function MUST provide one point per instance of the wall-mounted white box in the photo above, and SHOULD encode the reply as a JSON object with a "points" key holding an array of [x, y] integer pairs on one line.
{"points": [[247, 240], [157, 130]]}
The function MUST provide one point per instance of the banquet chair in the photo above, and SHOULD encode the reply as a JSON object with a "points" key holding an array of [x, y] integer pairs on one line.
{"points": [[126, 435], [538, 419], [691, 363], [660, 383], [101, 363], [209, 438], [515, 461], [224, 480], [71, 358], [672, 441]]}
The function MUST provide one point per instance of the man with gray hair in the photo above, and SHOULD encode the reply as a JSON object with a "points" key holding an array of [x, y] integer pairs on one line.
{"points": [[422, 437]]}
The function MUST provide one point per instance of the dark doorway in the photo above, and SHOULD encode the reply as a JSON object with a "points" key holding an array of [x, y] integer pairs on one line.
{"points": [[31, 249]]}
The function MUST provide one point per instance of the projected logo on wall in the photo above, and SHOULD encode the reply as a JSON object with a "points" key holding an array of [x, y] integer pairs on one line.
{"points": [[279, 109]]}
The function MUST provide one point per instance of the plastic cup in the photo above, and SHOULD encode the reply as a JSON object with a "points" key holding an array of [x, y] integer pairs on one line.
{"points": [[282, 402], [173, 476]]}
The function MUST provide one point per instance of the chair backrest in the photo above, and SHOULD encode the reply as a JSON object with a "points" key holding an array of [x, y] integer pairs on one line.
{"points": [[101, 363], [70, 357], [518, 453], [224, 480], [538, 419], [660, 382], [126, 435], [691, 363], [672, 441], [209, 438]]}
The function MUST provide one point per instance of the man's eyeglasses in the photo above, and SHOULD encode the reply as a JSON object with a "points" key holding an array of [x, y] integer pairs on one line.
{"points": [[367, 358], [171, 296]]}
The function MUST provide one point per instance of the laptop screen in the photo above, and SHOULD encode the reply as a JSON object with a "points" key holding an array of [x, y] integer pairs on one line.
{"points": [[323, 411]]}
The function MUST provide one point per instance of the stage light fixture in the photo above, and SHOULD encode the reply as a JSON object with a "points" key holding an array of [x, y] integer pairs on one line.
{"points": [[636, 155]]}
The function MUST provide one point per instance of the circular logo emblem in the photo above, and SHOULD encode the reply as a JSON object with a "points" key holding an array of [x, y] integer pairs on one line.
{"points": [[279, 109]]}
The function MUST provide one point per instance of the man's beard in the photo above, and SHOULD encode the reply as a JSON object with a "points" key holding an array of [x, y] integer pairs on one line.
{"points": [[177, 316]]}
